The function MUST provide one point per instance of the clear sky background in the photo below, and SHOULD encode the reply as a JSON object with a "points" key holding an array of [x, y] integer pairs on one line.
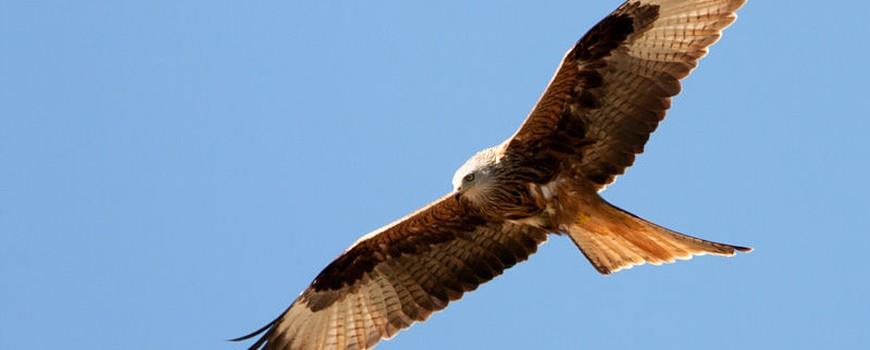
{"points": [[173, 173]]}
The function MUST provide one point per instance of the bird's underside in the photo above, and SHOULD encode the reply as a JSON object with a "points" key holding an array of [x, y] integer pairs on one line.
{"points": [[608, 95]]}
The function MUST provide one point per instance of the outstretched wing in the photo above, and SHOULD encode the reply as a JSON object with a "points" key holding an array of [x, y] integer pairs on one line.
{"points": [[399, 275], [613, 88]]}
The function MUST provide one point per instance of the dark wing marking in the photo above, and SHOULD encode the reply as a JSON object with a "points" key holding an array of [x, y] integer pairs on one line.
{"points": [[614, 87], [400, 275]]}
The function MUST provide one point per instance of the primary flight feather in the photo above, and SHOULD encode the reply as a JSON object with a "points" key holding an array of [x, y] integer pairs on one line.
{"points": [[610, 92]]}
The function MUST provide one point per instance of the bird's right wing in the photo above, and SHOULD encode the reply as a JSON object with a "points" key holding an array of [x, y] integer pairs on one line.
{"points": [[399, 275]]}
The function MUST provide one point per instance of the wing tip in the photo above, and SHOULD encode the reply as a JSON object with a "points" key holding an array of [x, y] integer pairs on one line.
{"points": [[265, 329], [743, 249], [252, 334]]}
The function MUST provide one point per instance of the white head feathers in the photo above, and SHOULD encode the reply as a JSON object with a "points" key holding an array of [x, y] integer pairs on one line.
{"points": [[475, 168]]}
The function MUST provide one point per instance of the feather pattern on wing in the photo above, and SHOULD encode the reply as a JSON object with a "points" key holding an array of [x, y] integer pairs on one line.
{"points": [[400, 275], [614, 87]]}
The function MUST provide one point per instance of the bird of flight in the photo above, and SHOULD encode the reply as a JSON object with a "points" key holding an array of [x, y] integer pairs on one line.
{"points": [[610, 92]]}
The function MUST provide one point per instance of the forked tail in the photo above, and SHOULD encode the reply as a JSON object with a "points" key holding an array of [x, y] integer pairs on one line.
{"points": [[613, 239]]}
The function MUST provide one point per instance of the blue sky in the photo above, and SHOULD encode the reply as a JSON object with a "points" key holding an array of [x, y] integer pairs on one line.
{"points": [[173, 173]]}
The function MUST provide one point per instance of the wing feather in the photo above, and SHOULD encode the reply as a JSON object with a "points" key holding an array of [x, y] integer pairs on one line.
{"points": [[615, 85], [400, 275]]}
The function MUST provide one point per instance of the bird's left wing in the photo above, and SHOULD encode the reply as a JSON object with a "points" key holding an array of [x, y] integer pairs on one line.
{"points": [[613, 88], [399, 275]]}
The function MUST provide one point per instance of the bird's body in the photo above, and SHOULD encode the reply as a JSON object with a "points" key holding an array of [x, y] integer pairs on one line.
{"points": [[610, 92]]}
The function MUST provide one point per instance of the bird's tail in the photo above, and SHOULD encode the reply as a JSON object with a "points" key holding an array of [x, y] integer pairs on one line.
{"points": [[613, 239]]}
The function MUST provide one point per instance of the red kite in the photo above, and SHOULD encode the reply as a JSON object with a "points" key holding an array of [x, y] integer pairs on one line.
{"points": [[608, 95]]}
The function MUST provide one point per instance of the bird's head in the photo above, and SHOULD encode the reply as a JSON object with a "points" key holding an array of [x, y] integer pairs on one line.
{"points": [[477, 173]]}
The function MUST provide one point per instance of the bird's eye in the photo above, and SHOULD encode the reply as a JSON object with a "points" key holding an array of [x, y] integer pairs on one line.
{"points": [[469, 177]]}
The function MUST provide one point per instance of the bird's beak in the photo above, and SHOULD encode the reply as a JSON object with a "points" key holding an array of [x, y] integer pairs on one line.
{"points": [[457, 195]]}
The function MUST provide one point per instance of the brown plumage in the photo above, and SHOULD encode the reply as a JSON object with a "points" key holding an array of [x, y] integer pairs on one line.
{"points": [[608, 95]]}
